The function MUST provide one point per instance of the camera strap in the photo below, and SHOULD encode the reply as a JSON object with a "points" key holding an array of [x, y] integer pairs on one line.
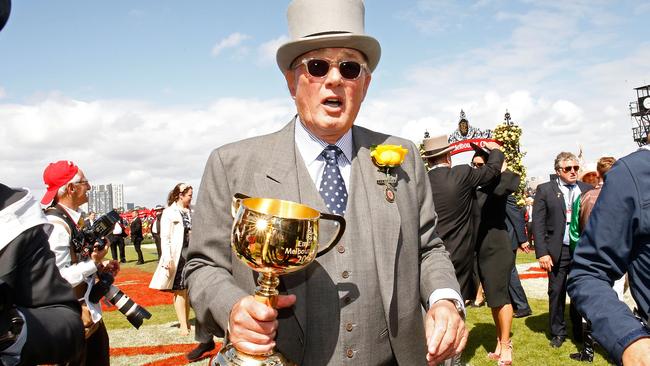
{"points": [[59, 212]]}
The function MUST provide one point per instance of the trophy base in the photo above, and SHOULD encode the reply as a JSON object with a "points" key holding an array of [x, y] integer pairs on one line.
{"points": [[229, 356]]}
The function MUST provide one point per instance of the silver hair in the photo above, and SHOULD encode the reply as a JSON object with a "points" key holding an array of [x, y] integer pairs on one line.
{"points": [[75, 179], [564, 156]]}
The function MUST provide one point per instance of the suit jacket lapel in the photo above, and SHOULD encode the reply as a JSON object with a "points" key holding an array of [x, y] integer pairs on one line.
{"points": [[279, 179], [559, 195], [384, 215]]}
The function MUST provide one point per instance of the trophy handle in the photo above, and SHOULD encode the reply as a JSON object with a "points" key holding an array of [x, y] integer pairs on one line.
{"points": [[236, 202], [339, 233]]}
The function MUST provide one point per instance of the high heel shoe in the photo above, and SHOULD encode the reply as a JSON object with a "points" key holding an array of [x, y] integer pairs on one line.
{"points": [[494, 356], [475, 304], [505, 347]]}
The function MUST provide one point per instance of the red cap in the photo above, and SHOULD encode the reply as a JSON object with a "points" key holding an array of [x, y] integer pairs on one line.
{"points": [[55, 176]]}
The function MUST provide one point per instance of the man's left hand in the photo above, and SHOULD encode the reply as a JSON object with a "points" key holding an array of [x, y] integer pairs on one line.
{"points": [[111, 266], [445, 332]]}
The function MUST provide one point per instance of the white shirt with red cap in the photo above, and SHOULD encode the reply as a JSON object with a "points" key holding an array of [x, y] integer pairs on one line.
{"points": [[79, 272]]}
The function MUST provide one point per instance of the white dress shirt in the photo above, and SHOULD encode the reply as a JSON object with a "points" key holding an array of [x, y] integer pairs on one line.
{"points": [[310, 148]]}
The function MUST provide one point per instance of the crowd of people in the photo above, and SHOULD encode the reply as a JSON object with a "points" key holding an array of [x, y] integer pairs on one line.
{"points": [[418, 246]]}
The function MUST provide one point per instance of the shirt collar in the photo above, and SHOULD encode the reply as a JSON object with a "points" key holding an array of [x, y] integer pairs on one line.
{"points": [[565, 184], [311, 147], [74, 215]]}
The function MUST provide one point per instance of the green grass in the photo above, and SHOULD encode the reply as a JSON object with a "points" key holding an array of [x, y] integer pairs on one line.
{"points": [[529, 338], [525, 257]]}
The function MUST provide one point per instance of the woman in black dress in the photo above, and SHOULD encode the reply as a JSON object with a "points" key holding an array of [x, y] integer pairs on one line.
{"points": [[495, 256]]}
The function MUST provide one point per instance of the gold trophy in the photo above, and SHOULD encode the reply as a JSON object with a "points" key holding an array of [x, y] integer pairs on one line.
{"points": [[273, 237]]}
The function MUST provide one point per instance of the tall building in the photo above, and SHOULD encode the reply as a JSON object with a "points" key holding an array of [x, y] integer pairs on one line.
{"points": [[103, 198], [118, 196]]}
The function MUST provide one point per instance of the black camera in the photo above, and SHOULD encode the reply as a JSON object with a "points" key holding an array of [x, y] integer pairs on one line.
{"points": [[134, 313], [88, 238]]}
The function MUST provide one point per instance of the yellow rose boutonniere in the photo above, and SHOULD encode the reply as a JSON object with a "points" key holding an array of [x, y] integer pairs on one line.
{"points": [[387, 157]]}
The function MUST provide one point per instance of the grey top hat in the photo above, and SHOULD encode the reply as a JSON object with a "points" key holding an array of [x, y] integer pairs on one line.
{"points": [[436, 146], [315, 24]]}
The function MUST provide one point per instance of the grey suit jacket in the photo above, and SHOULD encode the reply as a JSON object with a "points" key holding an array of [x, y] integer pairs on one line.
{"points": [[411, 260]]}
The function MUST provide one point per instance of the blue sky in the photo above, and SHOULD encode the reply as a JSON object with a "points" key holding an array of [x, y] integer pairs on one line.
{"points": [[153, 86]]}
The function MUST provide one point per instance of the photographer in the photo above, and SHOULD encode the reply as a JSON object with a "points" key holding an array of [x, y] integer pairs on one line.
{"points": [[39, 315], [67, 189]]}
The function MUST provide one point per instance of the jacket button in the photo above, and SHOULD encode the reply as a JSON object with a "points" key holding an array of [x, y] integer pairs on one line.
{"points": [[345, 274], [349, 327], [347, 299], [349, 353], [341, 249]]}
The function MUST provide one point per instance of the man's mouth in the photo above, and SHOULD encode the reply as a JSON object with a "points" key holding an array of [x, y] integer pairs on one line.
{"points": [[333, 102]]}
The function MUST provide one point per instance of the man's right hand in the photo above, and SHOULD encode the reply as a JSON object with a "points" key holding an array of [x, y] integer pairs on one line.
{"points": [[491, 145], [252, 325], [98, 255], [546, 262]]}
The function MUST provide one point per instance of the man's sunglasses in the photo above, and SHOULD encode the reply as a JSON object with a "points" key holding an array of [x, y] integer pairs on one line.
{"points": [[318, 68], [567, 169]]}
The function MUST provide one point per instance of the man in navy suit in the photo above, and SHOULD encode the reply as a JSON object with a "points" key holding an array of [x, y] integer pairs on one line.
{"points": [[615, 241], [551, 218]]}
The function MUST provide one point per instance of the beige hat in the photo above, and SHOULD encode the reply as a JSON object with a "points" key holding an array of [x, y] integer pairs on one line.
{"points": [[315, 24], [435, 146]]}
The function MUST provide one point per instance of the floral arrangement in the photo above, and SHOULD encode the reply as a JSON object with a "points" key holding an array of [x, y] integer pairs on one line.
{"points": [[509, 134]]}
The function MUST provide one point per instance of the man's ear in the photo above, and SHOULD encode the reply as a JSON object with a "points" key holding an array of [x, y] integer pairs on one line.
{"points": [[290, 77], [366, 84]]}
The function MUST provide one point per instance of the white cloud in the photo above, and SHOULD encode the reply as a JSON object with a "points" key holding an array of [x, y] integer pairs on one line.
{"points": [[233, 40], [267, 50], [145, 147]]}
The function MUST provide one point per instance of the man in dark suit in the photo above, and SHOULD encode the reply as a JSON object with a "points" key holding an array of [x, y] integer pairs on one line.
{"points": [[617, 241], [89, 220], [551, 219], [40, 320], [136, 237], [516, 225], [155, 229], [453, 194], [363, 301]]}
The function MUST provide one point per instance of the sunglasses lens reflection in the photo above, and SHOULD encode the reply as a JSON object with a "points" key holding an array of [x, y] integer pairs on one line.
{"points": [[348, 69], [318, 68]]}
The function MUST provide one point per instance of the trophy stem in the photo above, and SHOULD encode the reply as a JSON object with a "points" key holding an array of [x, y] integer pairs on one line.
{"points": [[266, 292]]}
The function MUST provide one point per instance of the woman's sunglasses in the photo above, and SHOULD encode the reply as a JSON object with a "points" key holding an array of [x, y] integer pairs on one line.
{"points": [[567, 169], [350, 70], [477, 165]]}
